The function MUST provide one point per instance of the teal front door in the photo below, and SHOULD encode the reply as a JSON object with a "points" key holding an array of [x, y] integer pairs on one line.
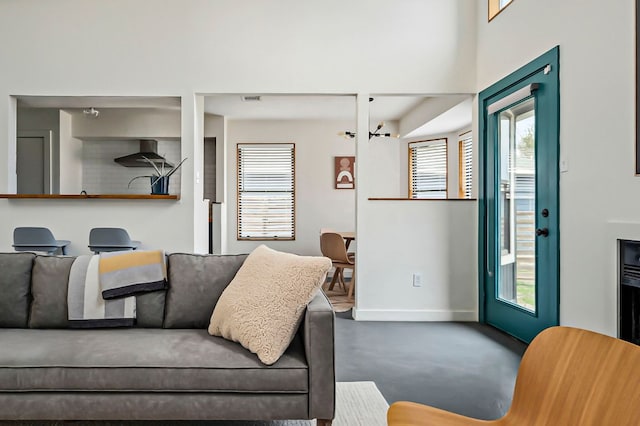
{"points": [[519, 233]]}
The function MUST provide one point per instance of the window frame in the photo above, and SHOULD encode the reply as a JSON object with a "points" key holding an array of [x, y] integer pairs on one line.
{"points": [[446, 155], [462, 181], [293, 192], [494, 9]]}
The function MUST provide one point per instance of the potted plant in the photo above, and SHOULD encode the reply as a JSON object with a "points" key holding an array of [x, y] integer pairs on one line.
{"points": [[160, 180]]}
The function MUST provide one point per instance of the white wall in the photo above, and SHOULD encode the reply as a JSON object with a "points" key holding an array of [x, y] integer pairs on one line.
{"points": [[94, 48], [318, 203], [152, 223], [428, 110], [70, 157], [436, 239], [388, 164], [597, 92], [200, 215], [129, 123]]}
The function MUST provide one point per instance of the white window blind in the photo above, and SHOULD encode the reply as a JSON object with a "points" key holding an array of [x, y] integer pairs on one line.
{"points": [[266, 191], [525, 186], [466, 165], [428, 169]]}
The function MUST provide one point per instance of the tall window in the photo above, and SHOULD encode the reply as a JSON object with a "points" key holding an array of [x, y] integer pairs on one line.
{"points": [[266, 191], [465, 162], [428, 169], [496, 6]]}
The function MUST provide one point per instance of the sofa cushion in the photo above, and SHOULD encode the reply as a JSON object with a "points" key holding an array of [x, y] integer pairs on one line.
{"points": [[49, 281], [262, 307], [15, 289], [141, 360], [150, 309], [195, 285]]}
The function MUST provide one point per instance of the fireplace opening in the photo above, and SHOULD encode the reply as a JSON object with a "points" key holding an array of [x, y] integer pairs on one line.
{"points": [[629, 292]]}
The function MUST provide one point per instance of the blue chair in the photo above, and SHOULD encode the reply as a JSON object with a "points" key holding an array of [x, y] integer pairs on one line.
{"points": [[37, 239], [111, 239]]}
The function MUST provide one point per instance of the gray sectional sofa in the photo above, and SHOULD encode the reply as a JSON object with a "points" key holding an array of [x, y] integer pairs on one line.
{"points": [[166, 367]]}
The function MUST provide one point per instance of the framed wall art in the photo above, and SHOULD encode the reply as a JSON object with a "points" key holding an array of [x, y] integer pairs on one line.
{"points": [[345, 176]]}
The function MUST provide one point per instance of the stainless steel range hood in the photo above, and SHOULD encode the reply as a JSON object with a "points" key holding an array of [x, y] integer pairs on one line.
{"points": [[148, 149]]}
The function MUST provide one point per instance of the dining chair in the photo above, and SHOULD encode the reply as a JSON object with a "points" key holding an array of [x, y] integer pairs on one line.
{"points": [[337, 270], [29, 238], [567, 376], [332, 246], [111, 239], [347, 242]]}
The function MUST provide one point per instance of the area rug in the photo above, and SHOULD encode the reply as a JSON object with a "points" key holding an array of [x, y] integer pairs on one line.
{"points": [[357, 404], [339, 299]]}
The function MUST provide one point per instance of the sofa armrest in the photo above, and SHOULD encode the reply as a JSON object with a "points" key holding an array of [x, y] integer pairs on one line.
{"points": [[318, 336]]}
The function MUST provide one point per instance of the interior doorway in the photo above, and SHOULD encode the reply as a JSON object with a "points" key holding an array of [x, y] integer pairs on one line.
{"points": [[210, 186], [33, 162]]}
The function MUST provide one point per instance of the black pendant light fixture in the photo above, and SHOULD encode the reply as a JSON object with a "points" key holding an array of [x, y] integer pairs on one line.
{"points": [[375, 134]]}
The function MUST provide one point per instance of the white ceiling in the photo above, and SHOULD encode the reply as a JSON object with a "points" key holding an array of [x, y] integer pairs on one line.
{"points": [[69, 102], [299, 107], [270, 107], [451, 120], [384, 108], [282, 107], [276, 107]]}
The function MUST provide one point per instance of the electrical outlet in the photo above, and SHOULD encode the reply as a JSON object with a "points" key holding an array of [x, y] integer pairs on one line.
{"points": [[417, 280]]}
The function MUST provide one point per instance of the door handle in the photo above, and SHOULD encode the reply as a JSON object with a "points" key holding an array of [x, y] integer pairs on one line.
{"points": [[487, 244], [542, 232]]}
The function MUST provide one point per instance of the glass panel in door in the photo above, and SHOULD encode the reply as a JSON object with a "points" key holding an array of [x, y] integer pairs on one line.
{"points": [[517, 202]]}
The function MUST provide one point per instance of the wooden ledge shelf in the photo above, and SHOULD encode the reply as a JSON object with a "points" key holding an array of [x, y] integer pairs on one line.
{"points": [[90, 196], [423, 199]]}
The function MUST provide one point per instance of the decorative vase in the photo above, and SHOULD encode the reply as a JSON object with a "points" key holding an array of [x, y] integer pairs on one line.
{"points": [[161, 185]]}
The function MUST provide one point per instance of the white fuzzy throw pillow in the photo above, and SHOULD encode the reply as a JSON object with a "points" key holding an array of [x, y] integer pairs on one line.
{"points": [[262, 307]]}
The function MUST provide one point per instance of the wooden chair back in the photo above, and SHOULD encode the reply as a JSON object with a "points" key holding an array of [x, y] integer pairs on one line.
{"points": [[332, 246], [570, 376]]}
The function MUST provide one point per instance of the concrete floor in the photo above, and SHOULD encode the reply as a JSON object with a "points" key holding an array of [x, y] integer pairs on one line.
{"points": [[467, 368]]}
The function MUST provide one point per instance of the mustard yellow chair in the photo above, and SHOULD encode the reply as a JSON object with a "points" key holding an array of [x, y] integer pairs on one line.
{"points": [[567, 377]]}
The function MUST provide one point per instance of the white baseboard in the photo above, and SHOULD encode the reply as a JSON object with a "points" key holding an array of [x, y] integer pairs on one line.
{"points": [[413, 315]]}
